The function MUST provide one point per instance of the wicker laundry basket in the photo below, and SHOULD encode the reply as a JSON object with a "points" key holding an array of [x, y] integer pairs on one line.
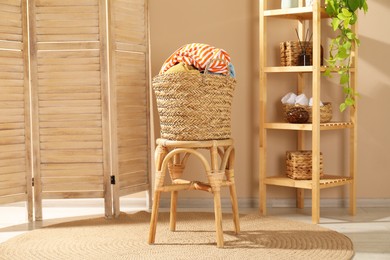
{"points": [[194, 106], [325, 111], [299, 165]]}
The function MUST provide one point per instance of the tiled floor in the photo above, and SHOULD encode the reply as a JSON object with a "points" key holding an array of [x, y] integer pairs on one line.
{"points": [[369, 229]]}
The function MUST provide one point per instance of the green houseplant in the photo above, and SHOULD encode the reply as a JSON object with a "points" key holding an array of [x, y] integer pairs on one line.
{"points": [[344, 16]]}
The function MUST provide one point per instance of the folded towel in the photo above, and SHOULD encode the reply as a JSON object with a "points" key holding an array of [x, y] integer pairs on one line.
{"points": [[289, 98], [302, 100], [293, 99]]}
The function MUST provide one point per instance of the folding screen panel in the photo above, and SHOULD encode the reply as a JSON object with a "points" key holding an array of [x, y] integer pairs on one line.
{"points": [[69, 108], [129, 72], [15, 169]]}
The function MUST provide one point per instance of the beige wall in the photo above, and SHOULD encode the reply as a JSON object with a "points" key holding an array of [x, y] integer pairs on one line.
{"points": [[233, 26]]}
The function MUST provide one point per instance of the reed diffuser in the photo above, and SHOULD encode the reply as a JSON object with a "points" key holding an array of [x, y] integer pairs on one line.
{"points": [[304, 58]]}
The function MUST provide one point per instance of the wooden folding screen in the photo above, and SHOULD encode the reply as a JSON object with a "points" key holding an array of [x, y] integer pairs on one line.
{"points": [[15, 169], [89, 92]]}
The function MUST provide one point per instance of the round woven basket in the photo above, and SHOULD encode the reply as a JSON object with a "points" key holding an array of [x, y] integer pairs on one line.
{"points": [[325, 111], [194, 106]]}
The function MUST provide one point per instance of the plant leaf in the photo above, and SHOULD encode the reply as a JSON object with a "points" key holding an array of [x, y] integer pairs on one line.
{"points": [[353, 5], [343, 106], [347, 45], [365, 7], [349, 101], [341, 16], [346, 12], [350, 35], [346, 22], [330, 8], [347, 90], [342, 53], [335, 23], [353, 18], [344, 79]]}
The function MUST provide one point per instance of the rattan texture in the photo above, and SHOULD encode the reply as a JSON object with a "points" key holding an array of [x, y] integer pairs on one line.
{"points": [[194, 106], [299, 165], [290, 50], [326, 111]]}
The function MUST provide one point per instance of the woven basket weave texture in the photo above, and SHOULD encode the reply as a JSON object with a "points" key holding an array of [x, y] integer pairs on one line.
{"points": [[194, 106], [299, 165], [325, 111], [290, 50]]}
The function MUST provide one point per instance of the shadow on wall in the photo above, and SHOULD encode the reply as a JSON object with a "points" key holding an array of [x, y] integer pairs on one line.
{"points": [[385, 3], [376, 54], [374, 88], [374, 106], [374, 97]]}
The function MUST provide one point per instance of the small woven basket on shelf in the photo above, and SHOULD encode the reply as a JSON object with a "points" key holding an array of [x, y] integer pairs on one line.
{"points": [[325, 111], [194, 106], [299, 165], [290, 50]]}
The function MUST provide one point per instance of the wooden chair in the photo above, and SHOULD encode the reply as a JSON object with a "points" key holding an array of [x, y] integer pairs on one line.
{"points": [[168, 156]]}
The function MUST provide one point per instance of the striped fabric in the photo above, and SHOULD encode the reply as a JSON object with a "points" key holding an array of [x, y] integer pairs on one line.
{"points": [[200, 56]]}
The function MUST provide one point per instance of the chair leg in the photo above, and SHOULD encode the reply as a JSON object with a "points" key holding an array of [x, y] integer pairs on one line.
{"points": [[218, 218], [159, 154], [233, 198], [215, 179], [233, 194], [175, 171], [154, 217], [172, 219]]}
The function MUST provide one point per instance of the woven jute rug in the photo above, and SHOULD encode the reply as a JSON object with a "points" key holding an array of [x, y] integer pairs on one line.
{"points": [[126, 238]]}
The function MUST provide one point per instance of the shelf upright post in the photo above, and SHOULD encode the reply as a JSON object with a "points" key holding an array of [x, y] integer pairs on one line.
{"points": [[316, 82], [300, 193], [263, 105], [353, 130]]}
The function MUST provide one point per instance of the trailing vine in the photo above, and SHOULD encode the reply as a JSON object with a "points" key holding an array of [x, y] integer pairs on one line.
{"points": [[344, 16]]}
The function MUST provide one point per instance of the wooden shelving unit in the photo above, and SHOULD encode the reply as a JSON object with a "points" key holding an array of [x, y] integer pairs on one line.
{"points": [[301, 15]]}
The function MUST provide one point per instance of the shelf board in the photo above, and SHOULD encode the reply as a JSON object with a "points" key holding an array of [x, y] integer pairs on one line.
{"points": [[303, 69], [289, 69], [308, 127], [300, 13], [327, 181]]}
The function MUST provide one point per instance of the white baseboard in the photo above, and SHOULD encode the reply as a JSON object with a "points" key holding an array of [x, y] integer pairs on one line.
{"points": [[207, 203]]}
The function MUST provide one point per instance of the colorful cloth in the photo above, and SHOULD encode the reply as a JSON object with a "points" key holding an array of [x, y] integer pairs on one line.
{"points": [[182, 67], [201, 56]]}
